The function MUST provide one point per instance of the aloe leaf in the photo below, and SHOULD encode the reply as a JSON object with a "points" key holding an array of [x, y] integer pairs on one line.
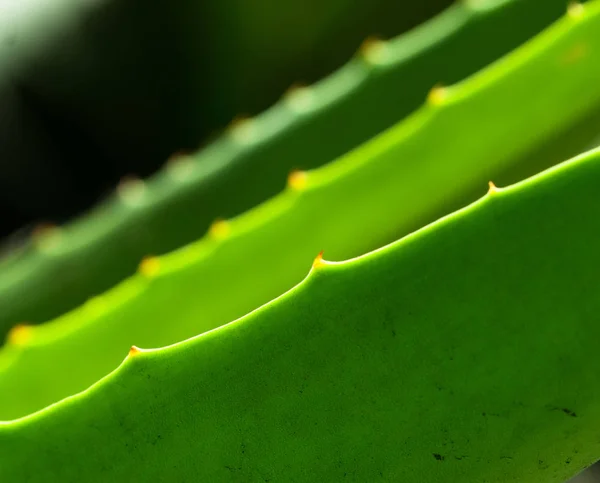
{"points": [[262, 46], [310, 127], [418, 168], [464, 352]]}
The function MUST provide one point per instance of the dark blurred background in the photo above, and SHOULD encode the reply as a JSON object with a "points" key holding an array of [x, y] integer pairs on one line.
{"points": [[92, 91]]}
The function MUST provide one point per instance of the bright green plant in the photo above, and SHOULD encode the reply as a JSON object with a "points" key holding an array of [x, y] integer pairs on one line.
{"points": [[91, 89], [462, 352], [252, 259], [429, 360], [311, 126]]}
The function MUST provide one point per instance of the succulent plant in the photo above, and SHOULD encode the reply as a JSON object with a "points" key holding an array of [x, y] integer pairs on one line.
{"points": [[445, 343], [383, 84]]}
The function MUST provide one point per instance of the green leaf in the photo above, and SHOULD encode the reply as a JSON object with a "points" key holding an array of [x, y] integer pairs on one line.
{"points": [[464, 352], [386, 188], [310, 127]]}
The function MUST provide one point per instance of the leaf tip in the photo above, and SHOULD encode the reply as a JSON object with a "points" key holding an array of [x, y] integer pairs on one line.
{"points": [[297, 180], [19, 334], [437, 95], [149, 266], [179, 166], [131, 189], [46, 236], [241, 129], [575, 10], [318, 262], [219, 229], [134, 351], [373, 50], [299, 97]]}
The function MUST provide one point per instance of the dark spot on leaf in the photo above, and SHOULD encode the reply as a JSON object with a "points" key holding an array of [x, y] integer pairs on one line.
{"points": [[567, 411], [438, 457]]}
